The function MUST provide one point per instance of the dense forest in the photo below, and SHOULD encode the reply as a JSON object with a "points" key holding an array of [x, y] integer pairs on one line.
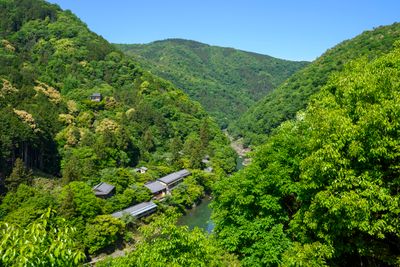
{"points": [[225, 81], [322, 188], [56, 143], [293, 95]]}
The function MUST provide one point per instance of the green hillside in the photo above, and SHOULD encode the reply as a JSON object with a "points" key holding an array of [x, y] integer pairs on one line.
{"points": [[77, 114], [282, 103], [323, 190], [225, 81], [56, 143]]}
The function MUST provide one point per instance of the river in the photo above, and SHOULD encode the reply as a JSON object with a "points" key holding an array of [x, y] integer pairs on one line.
{"points": [[200, 216]]}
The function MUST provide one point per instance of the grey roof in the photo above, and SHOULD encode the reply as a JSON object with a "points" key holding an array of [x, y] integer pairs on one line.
{"points": [[205, 161], [141, 169], [136, 210], [170, 178], [96, 94], [155, 186], [103, 189], [208, 169]]}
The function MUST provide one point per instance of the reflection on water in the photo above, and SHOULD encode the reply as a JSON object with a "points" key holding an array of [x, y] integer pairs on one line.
{"points": [[239, 163], [199, 217]]}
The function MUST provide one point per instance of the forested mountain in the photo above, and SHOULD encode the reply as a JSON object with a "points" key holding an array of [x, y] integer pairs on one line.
{"points": [[324, 189], [51, 64], [56, 143], [75, 112], [282, 103], [225, 81]]}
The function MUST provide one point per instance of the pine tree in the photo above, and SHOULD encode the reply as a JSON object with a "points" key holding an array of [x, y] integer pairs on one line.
{"points": [[148, 142], [176, 148], [70, 170], [20, 174], [205, 134], [67, 206]]}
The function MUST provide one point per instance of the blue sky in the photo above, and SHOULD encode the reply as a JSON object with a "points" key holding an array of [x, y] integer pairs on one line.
{"points": [[289, 29]]}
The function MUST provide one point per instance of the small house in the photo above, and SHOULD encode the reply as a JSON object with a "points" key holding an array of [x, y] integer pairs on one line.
{"points": [[96, 97], [208, 169], [138, 211], [157, 189], [173, 179], [141, 169], [206, 160], [104, 190]]}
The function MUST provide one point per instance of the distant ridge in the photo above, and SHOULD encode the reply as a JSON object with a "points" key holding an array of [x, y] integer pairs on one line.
{"points": [[226, 81], [282, 103]]}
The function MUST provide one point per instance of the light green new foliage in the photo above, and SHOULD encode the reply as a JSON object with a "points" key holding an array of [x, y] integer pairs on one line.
{"points": [[104, 230], [50, 63], [87, 205], [187, 193], [163, 243], [41, 243], [329, 179]]}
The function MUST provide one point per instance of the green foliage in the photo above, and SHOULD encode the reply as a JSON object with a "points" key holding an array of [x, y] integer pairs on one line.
{"points": [[18, 176], [205, 179], [129, 197], [52, 65], [186, 193], [193, 151], [163, 243], [225, 81], [282, 103], [118, 177], [325, 185], [224, 161], [176, 147], [68, 208], [45, 243], [103, 231], [84, 201], [314, 254], [25, 205]]}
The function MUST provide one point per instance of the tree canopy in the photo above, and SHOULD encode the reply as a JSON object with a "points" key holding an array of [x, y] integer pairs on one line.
{"points": [[44, 242], [324, 189], [163, 243], [57, 143], [225, 81]]}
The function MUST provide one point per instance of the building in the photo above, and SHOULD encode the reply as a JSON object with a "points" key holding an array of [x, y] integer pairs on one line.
{"points": [[208, 169], [173, 179], [96, 97], [157, 189], [138, 211], [104, 190], [142, 169], [206, 160]]}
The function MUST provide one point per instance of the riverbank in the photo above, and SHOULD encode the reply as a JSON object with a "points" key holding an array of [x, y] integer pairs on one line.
{"points": [[241, 150], [198, 216]]}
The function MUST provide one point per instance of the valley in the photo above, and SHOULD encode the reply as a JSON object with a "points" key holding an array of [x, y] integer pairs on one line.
{"points": [[225, 81], [180, 153]]}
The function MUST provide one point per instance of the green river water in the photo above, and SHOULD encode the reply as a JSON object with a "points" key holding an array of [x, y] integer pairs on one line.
{"points": [[200, 216]]}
